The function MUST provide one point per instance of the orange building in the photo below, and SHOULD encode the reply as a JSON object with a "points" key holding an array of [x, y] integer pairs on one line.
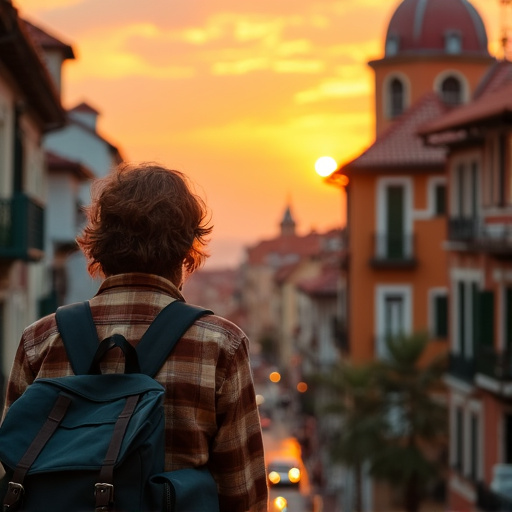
{"points": [[435, 57], [479, 245]]}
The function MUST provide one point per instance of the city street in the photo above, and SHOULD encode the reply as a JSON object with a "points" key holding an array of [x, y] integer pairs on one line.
{"points": [[280, 444]]}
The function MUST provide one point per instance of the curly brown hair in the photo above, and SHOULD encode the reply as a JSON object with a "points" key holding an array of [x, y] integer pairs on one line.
{"points": [[145, 218]]}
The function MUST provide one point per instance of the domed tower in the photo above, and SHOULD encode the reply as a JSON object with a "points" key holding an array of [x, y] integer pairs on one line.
{"points": [[438, 45]]}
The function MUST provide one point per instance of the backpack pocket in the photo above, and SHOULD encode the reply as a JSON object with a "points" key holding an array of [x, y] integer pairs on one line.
{"points": [[187, 490]]}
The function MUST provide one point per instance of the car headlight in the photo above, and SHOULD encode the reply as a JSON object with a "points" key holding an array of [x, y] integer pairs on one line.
{"points": [[280, 504], [294, 475], [274, 477]]}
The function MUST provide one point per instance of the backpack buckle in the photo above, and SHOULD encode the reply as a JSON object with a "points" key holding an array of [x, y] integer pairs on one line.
{"points": [[13, 495], [104, 496]]}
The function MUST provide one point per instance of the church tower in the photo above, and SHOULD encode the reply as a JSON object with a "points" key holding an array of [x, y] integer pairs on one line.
{"points": [[430, 45], [288, 224]]}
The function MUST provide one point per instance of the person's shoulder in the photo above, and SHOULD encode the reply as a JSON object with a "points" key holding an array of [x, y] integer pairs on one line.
{"points": [[220, 325], [40, 330]]}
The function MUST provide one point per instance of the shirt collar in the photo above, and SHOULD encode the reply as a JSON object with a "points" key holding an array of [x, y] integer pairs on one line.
{"points": [[140, 280]]}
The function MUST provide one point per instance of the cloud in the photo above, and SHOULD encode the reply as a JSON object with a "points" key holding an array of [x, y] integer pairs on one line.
{"points": [[330, 89], [111, 54], [37, 6]]}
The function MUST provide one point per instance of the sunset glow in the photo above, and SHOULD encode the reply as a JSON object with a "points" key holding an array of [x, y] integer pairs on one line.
{"points": [[241, 96], [325, 165]]}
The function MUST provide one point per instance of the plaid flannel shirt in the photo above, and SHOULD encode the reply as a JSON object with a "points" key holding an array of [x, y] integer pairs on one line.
{"points": [[210, 409]]}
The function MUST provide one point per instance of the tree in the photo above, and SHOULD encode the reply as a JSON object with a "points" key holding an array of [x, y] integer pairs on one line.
{"points": [[391, 418], [417, 419], [356, 399]]}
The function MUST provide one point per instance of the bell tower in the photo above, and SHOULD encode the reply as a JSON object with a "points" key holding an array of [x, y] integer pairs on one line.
{"points": [[430, 45]]}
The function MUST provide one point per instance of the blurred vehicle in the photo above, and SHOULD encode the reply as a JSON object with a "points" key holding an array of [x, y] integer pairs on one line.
{"points": [[279, 504], [284, 471]]}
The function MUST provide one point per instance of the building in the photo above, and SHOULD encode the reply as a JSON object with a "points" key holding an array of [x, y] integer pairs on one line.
{"points": [[479, 246], [29, 109], [77, 153], [269, 288], [434, 59]]}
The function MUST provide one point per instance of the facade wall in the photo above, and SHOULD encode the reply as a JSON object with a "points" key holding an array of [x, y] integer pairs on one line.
{"points": [[421, 76], [370, 285]]}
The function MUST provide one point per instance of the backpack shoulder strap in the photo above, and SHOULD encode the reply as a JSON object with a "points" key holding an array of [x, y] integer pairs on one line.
{"points": [[79, 335], [80, 338], [163, 334]]}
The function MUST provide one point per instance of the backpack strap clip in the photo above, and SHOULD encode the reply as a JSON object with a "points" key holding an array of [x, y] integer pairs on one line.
{"points": [[104, 494], [13, 497]]}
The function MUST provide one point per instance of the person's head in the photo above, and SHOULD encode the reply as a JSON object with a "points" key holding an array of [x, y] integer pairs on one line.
{"points": [[144, 218]]}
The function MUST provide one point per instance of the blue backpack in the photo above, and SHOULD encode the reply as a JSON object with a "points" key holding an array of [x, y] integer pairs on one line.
{"points": [[93, 442]]}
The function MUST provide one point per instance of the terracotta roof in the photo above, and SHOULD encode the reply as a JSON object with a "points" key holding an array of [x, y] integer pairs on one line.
{"points": [[47, 41], [400, 147], [486, 108], [422, 26], [324, 285], [499, 74], [288, 249], [60, 163]]}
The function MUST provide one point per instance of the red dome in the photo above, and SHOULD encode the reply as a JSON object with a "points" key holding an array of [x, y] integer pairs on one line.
{"points": [[436, 26]]}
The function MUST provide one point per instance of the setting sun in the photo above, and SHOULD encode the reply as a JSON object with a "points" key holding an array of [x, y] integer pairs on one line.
{"points": [[325, 165]]}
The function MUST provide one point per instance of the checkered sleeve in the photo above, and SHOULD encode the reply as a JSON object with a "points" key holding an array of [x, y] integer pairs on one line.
{"points": [[21, 376], [237, 457]]}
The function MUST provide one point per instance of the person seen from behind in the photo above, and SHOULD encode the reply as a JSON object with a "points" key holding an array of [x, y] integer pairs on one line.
{"points": [[146, 232]]}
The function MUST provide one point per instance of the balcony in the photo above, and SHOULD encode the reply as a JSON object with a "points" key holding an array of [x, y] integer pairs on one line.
{"points": [[481, 236], [489, 501], [21, 229], [494, 364], [461, 367], [393, 251], [497, 497]]}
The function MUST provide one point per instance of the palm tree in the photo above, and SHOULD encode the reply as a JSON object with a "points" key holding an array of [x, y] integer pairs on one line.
{"points": [[390, 418], [357, 401], [417, 419]]}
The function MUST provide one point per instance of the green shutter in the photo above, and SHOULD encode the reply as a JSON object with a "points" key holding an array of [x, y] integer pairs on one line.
{"points": [[395, 222], [441, 316], [508, 318], [462, 317], [440, 199], [485, 314]]}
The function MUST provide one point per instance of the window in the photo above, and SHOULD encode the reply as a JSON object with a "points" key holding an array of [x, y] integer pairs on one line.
{"points": [[440, 315], [395, 222], [508, 439], [452, 42], [392, 45], [474, 447], [508, 318], [466, 197], [397, 100], [440, 199], [459, 439], [393, 315], [451, 91]]}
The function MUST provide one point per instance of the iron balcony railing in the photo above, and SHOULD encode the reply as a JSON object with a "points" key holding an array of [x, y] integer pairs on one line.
{"points": [[21, 228], [489, 501], [462, 367], [481, 235], [494, 364], [393, 250]]}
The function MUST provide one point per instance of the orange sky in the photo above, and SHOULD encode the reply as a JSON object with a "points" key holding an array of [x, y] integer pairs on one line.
{"points": [[243, 96]]}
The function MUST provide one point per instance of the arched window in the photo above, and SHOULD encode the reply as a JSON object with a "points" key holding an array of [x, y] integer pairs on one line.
{"points": [[451, 91], [397, 100]]}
